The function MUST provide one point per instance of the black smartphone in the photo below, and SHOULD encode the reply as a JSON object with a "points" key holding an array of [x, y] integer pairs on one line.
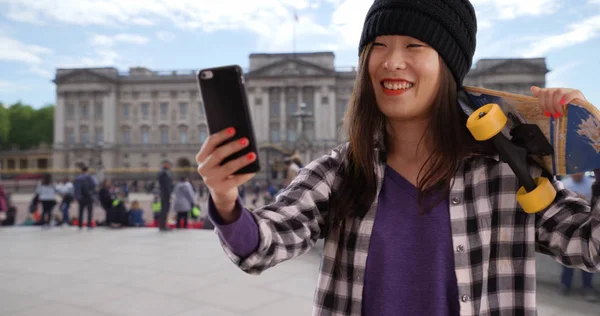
{"points": [[226, 105]]}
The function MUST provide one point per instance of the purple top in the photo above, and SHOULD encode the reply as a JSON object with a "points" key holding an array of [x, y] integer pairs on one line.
{"points": [[410, 265]]}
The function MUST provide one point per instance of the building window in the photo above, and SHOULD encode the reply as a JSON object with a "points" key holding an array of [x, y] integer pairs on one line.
{"points": [[182, 111], [70, 136], [274, 102], [291, 100], [84, 135], [275, 133], [145, 135], [98, 110], [164, 107], [291, 135], [183, 135], [164, 135], [99, 135], [145, 110], [324, 99], [291, 105], [203, 133], [258, 101], [201, 109], [126, 136], [308, 98], [126, 111], [85, 112], [70, 109]]}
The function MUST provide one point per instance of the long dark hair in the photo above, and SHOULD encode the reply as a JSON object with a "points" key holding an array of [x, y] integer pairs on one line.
{"points": [[451, 142], [46, 179]]}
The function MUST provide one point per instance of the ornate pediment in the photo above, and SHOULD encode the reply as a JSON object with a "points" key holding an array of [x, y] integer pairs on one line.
{"points": [[291, 68], [82, 76]]}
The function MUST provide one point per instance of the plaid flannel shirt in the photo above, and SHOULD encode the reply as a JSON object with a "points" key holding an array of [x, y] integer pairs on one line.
{"points": [[495, 241]]}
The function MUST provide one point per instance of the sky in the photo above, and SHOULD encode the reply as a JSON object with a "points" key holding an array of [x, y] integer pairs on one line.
{"points": [[39, 36]]}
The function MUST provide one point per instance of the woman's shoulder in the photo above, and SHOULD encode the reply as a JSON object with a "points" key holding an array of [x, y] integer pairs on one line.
{"points": [[330, 161]]}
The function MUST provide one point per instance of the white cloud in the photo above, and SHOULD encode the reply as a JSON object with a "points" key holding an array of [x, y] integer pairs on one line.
{"points": [[10, 86], [348, 19], [142, 21], [16, 51], [511, 9], [100, 58], [165, 36], [261, 17], [577, 33], [44, 73], [105, 40], [554, 77]]}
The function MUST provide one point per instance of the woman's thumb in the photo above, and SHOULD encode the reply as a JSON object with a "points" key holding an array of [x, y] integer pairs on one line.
{"points": [[535, 90]]}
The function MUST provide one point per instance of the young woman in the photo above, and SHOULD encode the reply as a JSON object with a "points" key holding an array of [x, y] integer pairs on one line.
{"points": [[420, 219], [47, 194]]}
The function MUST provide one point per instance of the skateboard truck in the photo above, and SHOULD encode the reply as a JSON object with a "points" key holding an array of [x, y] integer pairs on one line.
{"points": [[487, 123]]}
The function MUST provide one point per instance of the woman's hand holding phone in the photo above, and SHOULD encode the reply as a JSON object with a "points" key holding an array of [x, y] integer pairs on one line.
{"points": [[221, 183]]}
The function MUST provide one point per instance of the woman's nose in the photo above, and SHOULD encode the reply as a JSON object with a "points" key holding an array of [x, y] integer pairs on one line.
{"points": [[395, 64]]}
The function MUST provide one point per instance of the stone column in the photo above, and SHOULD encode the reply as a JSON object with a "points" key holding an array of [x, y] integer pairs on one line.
{"points": [[300, 125], [77, 117], [319, 119], [59, 120], [109, 120], [282, 116], [331, 124]]}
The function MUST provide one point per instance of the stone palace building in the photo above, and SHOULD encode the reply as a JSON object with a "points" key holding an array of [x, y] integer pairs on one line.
{"points": [[131, 120]]}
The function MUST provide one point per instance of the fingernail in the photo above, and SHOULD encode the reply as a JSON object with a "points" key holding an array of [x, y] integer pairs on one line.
{"points": [[563, 101], [231, 131], [251, 156], [556, 115], [244, 141], [547, 114]]}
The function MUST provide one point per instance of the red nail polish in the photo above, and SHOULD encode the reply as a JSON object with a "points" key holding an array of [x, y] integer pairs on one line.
{"points": [[244, 141], [230, 131], [251, 156], [547, 114], [563, 101], [556, 115]]}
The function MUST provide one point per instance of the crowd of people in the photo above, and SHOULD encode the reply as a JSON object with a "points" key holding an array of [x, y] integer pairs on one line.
{"points": [[52, 201]]}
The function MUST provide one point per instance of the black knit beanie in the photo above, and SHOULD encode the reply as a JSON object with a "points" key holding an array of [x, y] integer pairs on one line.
{"points": [[449, 26]]}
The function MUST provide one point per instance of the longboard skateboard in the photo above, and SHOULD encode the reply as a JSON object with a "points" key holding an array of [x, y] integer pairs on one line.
{"points": [[574, 138]]}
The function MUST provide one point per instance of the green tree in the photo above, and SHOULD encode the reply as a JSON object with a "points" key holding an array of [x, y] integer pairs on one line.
{"points": [[29, 127], [43, 120], [4, 126]]}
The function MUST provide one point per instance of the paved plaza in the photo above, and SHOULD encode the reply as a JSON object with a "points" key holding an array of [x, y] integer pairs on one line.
{"points": [[139, 271]]}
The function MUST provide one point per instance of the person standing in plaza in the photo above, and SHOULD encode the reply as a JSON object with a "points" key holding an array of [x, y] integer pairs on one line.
{"points": [[83, 191], [165, 183], [183, 201], [582, 185], [47, 195], [65, 189]]}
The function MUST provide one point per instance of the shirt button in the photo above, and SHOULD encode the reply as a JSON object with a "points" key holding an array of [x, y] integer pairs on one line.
{"points": [[460, 248], [455, 200], [464, 298]]}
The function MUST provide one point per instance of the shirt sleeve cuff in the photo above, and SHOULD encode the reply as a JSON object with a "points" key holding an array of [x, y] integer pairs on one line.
{"points": [[242, 235]]}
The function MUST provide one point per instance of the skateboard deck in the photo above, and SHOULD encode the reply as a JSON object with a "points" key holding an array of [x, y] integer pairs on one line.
{"points": [[575, 137]]}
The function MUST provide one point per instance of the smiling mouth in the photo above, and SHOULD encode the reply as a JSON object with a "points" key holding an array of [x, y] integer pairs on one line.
{"points": [[396, 87]]}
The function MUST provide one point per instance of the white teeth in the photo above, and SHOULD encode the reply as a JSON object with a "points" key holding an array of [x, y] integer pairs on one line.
{"points": [[393, 85]]}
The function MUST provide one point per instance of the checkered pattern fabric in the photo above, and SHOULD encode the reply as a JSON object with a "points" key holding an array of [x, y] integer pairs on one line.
{"points": [[494, 240]]}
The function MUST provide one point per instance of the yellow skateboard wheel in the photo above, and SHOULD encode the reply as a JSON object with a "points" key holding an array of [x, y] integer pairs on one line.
{"points": [[486, 122], [538, 199]]}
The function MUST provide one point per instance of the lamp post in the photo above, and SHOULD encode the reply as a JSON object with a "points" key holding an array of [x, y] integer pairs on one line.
{"points": [[302, 143]]}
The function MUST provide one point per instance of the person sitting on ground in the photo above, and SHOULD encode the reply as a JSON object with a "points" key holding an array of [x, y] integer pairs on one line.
{"points": [[136, 214], [118, 213]]}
